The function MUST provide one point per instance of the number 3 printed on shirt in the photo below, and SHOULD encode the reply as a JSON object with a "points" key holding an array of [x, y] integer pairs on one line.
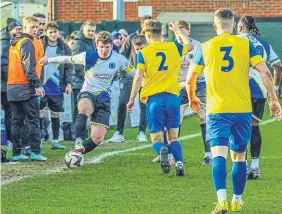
{"points": [[228, 58], [162, 66]]}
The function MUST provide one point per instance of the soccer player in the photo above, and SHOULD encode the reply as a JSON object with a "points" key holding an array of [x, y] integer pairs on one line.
{"points": [[227, 59], [101, 67], [201, 88], [247, 29], [56, 80], [160, 63]]}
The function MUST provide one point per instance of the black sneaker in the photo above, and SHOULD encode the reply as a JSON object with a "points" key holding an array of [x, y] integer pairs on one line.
{"points": [[207, 161], [164, 160], [179, 169]]}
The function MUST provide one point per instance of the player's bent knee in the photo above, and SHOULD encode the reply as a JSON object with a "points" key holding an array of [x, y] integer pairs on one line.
{"points": [[238, 156], [157, 137], [219, 151], [97, 139]]}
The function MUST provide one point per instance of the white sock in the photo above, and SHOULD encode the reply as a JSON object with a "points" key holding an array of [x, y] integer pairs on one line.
{"points": [[208, 154], [221, 195], [255, 162], [236, 198]]}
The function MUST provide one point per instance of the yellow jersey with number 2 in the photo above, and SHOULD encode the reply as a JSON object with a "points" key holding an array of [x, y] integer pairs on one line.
{"points": [[161, 62], [227, 60]]}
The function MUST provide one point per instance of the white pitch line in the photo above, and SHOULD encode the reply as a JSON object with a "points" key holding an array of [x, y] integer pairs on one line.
{"points": [[101, 157]]}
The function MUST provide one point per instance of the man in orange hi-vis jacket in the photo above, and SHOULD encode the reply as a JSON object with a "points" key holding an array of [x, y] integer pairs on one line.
{"points": [[24, 88]]}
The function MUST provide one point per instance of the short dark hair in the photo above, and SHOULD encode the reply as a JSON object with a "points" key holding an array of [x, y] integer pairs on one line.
{"points": [[39, 15], [52, 25], [105, 37], [139, 39], [224, 13]]}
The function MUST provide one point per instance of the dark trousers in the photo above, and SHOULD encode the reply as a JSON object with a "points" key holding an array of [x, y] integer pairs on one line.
{"points": [[8, 114], [75, 93], [124, 96], [28, 111]]}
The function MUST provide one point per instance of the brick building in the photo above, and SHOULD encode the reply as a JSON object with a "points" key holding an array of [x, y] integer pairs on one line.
{"points": [[97, 10]]}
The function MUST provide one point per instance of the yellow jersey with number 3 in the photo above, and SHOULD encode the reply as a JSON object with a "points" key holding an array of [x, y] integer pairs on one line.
{"points": [[161, 62], [227, 60]]}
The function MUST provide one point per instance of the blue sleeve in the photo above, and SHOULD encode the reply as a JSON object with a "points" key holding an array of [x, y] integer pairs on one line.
{"points": [[198, 59], [253, 50], [140, 58], [179, 47]]}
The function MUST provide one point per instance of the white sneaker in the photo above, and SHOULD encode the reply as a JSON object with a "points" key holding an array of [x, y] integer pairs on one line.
{"points": [[141, 137], [116, 138], [78, 146]]}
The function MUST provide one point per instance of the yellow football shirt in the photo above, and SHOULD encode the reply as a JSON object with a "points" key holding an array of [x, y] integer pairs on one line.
{"points": [[227, 60], [161, 63]]}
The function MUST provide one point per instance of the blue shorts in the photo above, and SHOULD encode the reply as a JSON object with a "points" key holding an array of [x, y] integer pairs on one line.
{"points": [[162, 110], [236, 127]]}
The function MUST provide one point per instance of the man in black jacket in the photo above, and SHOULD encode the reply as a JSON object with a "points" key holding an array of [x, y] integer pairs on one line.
{"points": [[13, 28], [126, 81], [56, 80], [84, 41], [24, 89]]}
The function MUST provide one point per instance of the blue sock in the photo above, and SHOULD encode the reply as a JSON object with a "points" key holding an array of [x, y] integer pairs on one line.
{"points": [[239, 177], [219, 172], [157, 147], [176, 150]]}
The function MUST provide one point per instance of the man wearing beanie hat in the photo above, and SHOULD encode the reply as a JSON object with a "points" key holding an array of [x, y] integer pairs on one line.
{"points": [[13, 28], [117, 41]]}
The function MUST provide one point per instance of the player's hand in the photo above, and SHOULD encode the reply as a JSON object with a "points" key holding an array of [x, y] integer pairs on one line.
{"points": [[173, 27], [68, 89], [43, 61], [195, 104], [129, 106], [275, 109], [39, 92]]}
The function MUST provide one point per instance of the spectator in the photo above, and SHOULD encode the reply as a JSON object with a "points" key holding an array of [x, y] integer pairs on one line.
{"points": [[138, 43], [41, 24], [74, 33], [124, 34], [62, 35], [56, 80], [13, 28], [24, 87], [127, 49], [117, 41], [69, 41], [84, 41]]}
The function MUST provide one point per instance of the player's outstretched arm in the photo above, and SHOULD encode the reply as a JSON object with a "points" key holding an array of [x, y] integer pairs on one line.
{"points": [[186, 40], [76, 59], [274, 106], [137, 82]]}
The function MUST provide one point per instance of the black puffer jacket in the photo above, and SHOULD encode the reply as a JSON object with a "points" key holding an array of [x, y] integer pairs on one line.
{"points": [[5, 45], [82, 44]]}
